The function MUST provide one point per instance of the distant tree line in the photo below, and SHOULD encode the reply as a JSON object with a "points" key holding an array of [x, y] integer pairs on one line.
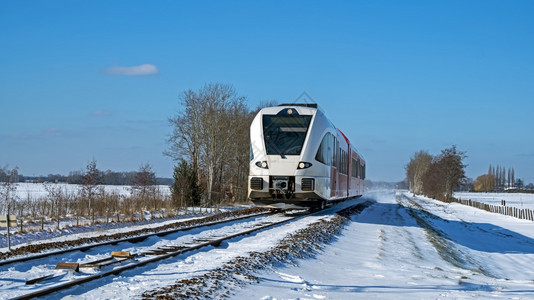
{"points": [[439, 176], [76, 177], [503, 178], [436, 176]]}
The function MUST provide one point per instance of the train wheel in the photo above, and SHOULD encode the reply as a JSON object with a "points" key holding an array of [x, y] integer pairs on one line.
{"points": [[321, 205]]}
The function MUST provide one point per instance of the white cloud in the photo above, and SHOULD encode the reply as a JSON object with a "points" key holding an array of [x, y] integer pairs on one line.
{"points": [[146, 69], [51, 132], [101, 112]]}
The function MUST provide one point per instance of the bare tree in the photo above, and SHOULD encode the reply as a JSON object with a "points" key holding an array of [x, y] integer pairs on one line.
{"points": [[42, 204], [56, 200], [91, 182], [112, 204], [144, 185], [20, 207], [484, 183], [204, 133], [444, 174], [33, 207], [8, 188], [415, 170], [237, 157], [513, 177], [185, 141]]}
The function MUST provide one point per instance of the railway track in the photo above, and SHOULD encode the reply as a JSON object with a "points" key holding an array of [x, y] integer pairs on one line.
{"points": [[71, 274], [132, 239]]}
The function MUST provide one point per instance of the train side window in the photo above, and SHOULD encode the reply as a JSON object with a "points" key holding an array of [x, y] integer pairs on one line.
{"points": [[344, 161], [335, 149], [330, 149], [338, 160], [323, 153], [355, 167], [347, 163]]}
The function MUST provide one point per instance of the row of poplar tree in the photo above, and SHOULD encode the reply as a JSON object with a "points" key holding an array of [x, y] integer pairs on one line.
{"points": [[497, 179]]}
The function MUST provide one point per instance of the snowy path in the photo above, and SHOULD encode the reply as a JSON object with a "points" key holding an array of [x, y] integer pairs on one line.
{"points": [[460, 252]]}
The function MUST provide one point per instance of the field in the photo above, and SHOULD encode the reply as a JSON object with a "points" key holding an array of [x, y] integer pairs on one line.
{"points": [[37, 190], [518, 200]]}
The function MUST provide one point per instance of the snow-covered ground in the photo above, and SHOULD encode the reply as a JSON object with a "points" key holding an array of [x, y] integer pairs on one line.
{"points": [[519, 200], [392, 252], [401, 247]]}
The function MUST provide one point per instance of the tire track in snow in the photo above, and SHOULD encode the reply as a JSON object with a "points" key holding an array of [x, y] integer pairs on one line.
{"points": [[447, 250]]}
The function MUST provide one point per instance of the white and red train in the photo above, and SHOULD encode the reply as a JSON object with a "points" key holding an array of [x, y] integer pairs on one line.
{"points": [[298, 158]]}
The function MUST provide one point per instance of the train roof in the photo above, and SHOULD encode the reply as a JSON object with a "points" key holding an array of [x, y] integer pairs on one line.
{"points": [[312, 105]]}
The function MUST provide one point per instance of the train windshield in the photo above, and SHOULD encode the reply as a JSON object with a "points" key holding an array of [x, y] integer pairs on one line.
{"points": [[285, 135]]}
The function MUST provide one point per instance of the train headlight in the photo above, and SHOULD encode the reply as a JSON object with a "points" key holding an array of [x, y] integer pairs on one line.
{"points": [[262, 164], [304, 165]]}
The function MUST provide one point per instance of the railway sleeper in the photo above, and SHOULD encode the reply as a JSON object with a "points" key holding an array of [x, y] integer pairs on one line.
{"points": [[74, 267], [68, 266], [121, 254]]}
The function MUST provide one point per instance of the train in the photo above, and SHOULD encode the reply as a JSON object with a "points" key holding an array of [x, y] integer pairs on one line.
{"points": [[299, 159]]}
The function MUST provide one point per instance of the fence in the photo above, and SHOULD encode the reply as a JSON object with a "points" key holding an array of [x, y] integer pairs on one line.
{"points": [[525, 214]]}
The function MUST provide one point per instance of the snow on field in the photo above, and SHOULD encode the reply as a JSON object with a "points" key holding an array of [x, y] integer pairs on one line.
{"points": [[518, 200], [35, 191], [401, 247]]}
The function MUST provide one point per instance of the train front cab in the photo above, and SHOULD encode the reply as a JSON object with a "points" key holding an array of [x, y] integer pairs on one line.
{"points": [[316, 169]]}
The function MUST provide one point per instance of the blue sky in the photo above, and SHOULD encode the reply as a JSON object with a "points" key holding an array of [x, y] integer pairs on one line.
{"points": [[83, 80]]}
